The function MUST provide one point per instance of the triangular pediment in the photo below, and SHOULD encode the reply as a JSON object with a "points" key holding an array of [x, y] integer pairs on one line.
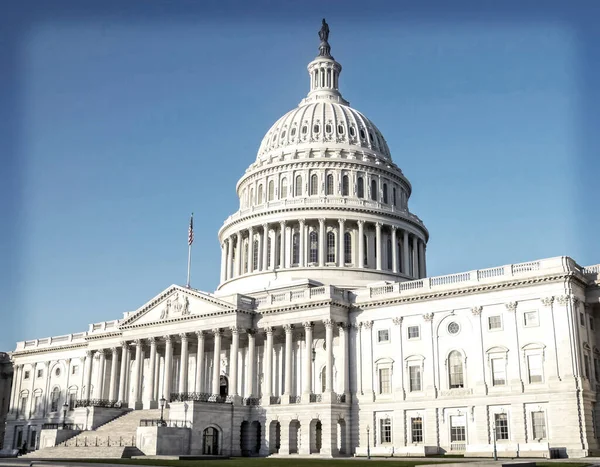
{"points": [[176, 304]]}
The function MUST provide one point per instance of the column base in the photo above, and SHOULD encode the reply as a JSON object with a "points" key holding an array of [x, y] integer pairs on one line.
{"points": [[328, 397], [146, 405], [236, 400], [137, 405]]}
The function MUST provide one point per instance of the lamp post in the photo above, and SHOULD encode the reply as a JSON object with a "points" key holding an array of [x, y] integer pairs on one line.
{"points": [[494, 438], [65, 407], [162, 403], [368, 443]]}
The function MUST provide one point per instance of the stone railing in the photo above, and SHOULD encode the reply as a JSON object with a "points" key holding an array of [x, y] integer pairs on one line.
{"points": [[99, 441], [545, 266], [251, 401], [340, 398], [295, 399], [329, 201], [169, 423], [97, 403], [303, 295], [275, 400], [316, 398], [200, 397], [62, 426]]}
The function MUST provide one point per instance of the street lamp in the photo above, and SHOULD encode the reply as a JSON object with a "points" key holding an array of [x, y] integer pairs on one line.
{"points": [[162, 402], [494, 437], [368, 443], [65, 407]]}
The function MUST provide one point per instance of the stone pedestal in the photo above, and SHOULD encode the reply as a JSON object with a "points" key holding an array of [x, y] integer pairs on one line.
{"points": [[163, 441]]}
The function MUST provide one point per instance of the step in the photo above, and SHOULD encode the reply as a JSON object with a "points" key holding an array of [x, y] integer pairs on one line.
{"points": [[61, 452]]}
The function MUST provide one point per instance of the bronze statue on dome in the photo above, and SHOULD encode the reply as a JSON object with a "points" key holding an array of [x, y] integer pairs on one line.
{"points": [[324, 47]]}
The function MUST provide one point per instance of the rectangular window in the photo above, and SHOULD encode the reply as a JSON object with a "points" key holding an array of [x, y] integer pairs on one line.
{"points": [[416, 429], [74, 369], [534, 364], [592, 323], [414, 373], [23, 407], [538, 422], [385, 384], [32, 440], [26, 375], [383, 335], [501, 422], [581, 319], [72, 399], [596, 366], [498, 371], [457, 428], [494, 322], [37, 404], [530, 318], [586, 365], [385, 428], [40, 373], [413, 332]]}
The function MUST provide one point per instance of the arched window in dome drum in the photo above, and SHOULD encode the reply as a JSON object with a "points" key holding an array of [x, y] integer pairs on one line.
{"points": [[251, 199], [352, 131], [314, 184], [347, 248], [283, 188], [304, 129], [316, 128], [255, 256], [331, 247], [295, 249], [341, 129], [455, 368], [389, 253], [269, 259], [329, 184], [328, 128], [394, 196], [278, 251], [314, 247], [245, 256], [293, 131], [260, 194], [362, 134], [271, 190], [360, 188], [385, 193], [298, 191], [373, 190], [365, 250], [345, 185]]}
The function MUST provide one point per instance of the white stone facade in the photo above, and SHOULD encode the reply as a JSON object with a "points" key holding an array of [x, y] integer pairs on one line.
{"points": [[325, 335]]}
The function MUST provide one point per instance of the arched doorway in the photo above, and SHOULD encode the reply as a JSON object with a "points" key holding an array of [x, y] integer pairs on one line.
{"points": [[210, 441], [294, 438], [255, 431], [250, 436], [223, 386], [274, 437], [342, 436], [316, 436]]}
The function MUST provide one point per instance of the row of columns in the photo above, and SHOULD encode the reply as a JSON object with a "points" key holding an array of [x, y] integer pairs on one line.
{"points": [[237, 261]]}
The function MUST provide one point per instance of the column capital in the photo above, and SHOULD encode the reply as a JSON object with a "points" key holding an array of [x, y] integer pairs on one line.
{"points": [[547, 301], [282, 224], [152, 341], [251, 331], [301, 222], [137, 342], [183, 336], [88, 354], [200, 335], [342, 326], [322, 220], [379, 225], [366, 324], [217, 332], [341, 221], [511, 306], [114, 350], [288, 328], [268, 330], [167, 338], [123, 343], [397, 321], [265, 227], [476, 310], [360, 223], [308, 325], [428, 317], [328, 323], [234, 330]]}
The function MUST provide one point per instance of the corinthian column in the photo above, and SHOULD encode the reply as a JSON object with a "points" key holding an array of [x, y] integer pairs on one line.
{"points": [[216, 362], [268, 370], [199, 387], [343, 365], [233, 357], [322, 242], [149, 401], [265, 247], [308, 331], [239, 255], [122, 378], [301, 246], [289, 328], [183, 374], [88, 374], [394, 251], [250, 365], [167, 383], [329, 350], [378, 245], [251, 249], [224, 261], [112, 391], [282, 244], [229, 267], [361, 244], [137, 378], [100, 355], [406, 256]]}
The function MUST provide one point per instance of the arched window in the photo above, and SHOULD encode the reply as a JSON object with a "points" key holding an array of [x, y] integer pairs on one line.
{"points": [[54, 396], [345, 186], [271, 190], [323, 379], [314, 247], [255, 255], [269, 259], [394, 202], [389, 253], [260, 194], [360, 188], [365, 251], [295, 248], [251, 199], [347, 247], [283, 188], [246, 256], [373, 190], [455, 369], [278, 258], [210, 441], [314, 184], [385, 193], [330, 247], [243, 200], [298, 185], [329, 184]]}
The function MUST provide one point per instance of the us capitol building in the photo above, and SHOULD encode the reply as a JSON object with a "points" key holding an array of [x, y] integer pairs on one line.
{"points": [[325, 335]]}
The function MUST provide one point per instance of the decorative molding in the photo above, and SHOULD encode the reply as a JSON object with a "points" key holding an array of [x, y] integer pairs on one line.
{"points": [[428, 317], [328, 323], [268, 330], [217, 332], [288, 328], [476, 310], [511, 306], [397, 320], [367, 324], [307, 325]]}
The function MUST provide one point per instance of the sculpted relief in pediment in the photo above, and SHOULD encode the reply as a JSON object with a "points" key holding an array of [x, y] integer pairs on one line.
{"points": [[179, 305]]}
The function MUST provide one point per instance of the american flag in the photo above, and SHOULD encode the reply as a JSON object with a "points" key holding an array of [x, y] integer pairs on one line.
{"points": [[191, 231]]}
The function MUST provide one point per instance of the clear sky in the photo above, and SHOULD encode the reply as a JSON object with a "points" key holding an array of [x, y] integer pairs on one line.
{"points": [[118, 120]]}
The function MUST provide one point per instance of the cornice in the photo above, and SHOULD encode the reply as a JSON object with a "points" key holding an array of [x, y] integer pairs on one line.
{"points": [[303, 306], [461, 291], [102, 336], [180, 319], [21, 353]]}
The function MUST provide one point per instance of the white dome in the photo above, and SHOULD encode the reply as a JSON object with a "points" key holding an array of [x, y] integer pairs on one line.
{"points": [[324, 124]]}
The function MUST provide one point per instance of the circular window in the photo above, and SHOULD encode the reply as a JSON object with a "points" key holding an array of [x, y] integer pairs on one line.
{"points": [[57, 372], [453, 328]]}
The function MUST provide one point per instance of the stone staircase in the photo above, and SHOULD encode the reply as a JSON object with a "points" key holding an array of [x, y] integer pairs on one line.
{"points": [[115, 439]]}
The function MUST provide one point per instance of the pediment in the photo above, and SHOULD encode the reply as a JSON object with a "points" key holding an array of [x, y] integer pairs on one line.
{"points": [[176, 304]]}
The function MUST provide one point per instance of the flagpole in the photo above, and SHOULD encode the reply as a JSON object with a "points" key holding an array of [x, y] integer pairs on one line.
{"points": [[190, 241]]}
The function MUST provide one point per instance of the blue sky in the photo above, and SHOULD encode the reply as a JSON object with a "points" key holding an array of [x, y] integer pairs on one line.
{"points": [[118, 121]]}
